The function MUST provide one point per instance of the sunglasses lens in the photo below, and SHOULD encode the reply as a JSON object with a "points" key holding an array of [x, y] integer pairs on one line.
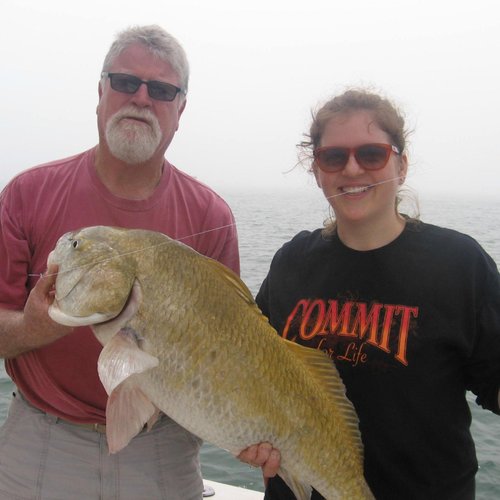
{"points": [[368, 156], [129, 84], [124, 83], [332, 159], [162, 91], [372, 156]]}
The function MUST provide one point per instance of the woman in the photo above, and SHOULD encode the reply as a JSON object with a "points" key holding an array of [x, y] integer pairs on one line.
{"points": [[409, 312]]}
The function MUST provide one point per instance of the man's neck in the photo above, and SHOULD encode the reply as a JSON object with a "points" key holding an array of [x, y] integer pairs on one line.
{"points": [[133, 182]]}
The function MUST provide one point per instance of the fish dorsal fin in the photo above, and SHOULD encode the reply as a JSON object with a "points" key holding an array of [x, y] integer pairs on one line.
{"points": [[127, 411], [120, 358], [232, 279], [323, 369], [238, 285]]}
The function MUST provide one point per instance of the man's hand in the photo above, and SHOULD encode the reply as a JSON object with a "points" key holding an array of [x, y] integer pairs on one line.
{"points": [[42, 294], [22, 331], [36, 316], [262, 455]]}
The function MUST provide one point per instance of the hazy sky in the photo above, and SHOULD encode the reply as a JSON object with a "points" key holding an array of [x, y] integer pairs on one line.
{"points": [[257, 70]]}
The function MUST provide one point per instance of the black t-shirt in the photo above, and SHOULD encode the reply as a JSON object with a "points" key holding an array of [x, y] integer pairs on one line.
{"points": [[411, 327]]}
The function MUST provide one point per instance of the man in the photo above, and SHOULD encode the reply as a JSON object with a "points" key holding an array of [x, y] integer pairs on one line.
{"points": [[52, 444]]}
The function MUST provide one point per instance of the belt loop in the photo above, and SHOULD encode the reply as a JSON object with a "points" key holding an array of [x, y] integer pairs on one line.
{"points": [[51, 419]]}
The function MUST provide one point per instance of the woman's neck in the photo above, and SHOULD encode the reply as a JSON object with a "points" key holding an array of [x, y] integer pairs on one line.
{"points": [[368, 235]]}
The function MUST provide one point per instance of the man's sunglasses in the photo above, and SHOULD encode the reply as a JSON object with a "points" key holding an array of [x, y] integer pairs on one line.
{"points": [[368, 156], [129, 84]]}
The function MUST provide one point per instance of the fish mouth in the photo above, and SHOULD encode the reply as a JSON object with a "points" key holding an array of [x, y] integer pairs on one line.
{"points": [[57, 315], [100, 318]]}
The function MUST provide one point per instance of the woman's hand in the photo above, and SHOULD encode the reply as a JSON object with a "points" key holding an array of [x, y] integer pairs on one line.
{"points": [[262, 455]]}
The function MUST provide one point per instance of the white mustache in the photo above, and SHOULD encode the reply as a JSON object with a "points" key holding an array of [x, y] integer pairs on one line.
{"points": [[135, 113]]}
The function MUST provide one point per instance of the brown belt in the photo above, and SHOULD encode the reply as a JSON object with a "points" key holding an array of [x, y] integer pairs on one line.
{"points": [[100, 428]]}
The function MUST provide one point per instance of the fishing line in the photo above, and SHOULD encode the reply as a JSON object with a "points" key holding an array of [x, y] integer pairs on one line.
{"points": [[365, 188], [41, 275], [144, 249]]}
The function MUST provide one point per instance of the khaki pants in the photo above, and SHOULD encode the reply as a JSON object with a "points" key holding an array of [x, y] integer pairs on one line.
{"points": [[45, 458]]}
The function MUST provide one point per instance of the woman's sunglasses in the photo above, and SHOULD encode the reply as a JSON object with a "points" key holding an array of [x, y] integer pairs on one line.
{"points": [[129, 84], [368, 156]]}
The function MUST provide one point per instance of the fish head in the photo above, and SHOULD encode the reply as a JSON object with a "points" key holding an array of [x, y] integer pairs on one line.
{"points": [[95, 276]]}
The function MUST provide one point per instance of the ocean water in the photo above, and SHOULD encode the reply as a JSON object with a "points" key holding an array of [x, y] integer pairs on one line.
{"points": [[266, 220]]}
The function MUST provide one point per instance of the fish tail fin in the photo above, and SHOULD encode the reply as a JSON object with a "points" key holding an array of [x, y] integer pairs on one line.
{"points": [[300, 490]]}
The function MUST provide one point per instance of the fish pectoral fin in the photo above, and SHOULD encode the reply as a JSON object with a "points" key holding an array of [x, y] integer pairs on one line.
{"points": [[120, 358], [127, 411], [152, 420], [300, 490]]}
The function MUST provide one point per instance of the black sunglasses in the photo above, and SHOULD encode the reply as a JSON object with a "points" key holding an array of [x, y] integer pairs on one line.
{"points": [[129, 84], [368, 156]]}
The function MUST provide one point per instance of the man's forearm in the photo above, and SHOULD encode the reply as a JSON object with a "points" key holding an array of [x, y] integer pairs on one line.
{"points": [[23, 331], [13, 339]]}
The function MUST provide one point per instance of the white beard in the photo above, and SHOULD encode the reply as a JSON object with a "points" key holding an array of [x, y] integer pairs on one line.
{"points": [[133, 142]]}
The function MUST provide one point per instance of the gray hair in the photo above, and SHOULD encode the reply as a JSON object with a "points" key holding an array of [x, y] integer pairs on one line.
{"points": [[158, 42]]}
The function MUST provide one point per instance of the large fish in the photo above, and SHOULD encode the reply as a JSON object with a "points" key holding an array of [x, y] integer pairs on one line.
{"points": [[183, 335]]}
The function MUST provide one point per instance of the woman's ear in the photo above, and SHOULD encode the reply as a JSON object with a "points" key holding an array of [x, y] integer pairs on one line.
{"points": [[403, 168]]}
